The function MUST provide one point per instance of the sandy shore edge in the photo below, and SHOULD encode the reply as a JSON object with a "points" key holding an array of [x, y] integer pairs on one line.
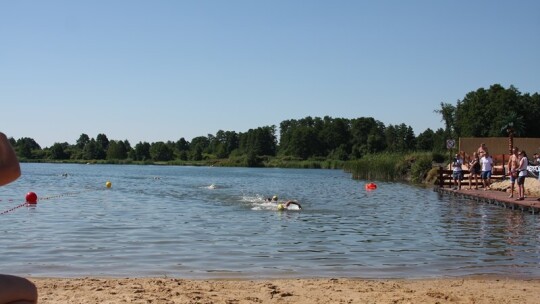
{"points": [[343, 290]]}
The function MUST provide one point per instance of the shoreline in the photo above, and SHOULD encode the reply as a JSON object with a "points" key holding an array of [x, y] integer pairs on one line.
{"points": [[476, 289]]}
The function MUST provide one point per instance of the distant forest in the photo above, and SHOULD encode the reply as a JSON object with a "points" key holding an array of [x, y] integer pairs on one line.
{"points": [[481, 113]]}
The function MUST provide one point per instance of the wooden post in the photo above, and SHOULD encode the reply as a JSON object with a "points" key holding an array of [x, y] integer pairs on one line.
{"points": [[441, 180], [504, 168]]}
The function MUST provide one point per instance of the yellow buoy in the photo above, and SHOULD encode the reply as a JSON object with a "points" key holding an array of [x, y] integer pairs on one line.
{"points": [[108, 184]]}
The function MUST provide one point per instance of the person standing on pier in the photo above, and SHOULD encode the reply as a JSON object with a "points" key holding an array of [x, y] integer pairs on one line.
{"points": [[474, 170], [523, 163], [482, 150], [486, 162], [457, 171], [513, 169]]}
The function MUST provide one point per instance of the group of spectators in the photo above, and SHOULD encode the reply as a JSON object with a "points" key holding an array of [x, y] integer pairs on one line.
{"points": [[481, 165], [517, 170]]}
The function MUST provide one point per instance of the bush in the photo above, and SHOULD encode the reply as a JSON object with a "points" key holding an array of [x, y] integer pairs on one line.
{"points": [[438, 157], [420, 168]]}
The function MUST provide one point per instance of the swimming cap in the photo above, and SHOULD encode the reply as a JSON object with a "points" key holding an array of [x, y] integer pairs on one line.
{"points": [[280, 207], [274, 198]]}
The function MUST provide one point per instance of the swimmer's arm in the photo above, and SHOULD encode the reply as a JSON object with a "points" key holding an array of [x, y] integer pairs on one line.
{"points": [[294, 203]]}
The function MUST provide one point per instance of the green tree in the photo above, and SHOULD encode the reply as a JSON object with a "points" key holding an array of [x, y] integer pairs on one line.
{"points": [[182, 145], [92, 151], [225, 142], [252, 160], [367, 136], [308, 130], [141, 151], [391, 137], [304, 141], [406, 138], [335, 134], [117, 150], [531, 114], [159, 151], [448, 113], [58, 151], [400, 138], [286, 127], [425, 140], [439, 141], [102, 141], [483, 113], [261, 141], [24, 147], [198, 145], [196, 153], [127, 145], [82, 141]]}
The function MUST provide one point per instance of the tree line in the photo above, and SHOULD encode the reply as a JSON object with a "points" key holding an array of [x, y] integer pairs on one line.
{"points": [[481, 113], [489, 113]]}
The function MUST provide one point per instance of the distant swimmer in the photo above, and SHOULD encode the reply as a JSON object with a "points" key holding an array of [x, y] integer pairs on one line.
{"points": [[285, 206], [212, 186], [272, 199]]}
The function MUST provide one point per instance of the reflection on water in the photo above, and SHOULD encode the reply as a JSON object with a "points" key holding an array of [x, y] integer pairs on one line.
{"points": [[215, 222]]}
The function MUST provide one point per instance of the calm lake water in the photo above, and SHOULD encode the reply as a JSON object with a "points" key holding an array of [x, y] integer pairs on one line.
{"points": [[168, 221]]}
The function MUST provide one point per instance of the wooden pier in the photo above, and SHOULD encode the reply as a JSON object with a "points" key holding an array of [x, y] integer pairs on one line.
{"points": [[499, 198]]}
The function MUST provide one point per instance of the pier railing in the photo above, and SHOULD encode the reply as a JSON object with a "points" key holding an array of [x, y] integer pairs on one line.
{"points": [[498, 173], [445, 178]]}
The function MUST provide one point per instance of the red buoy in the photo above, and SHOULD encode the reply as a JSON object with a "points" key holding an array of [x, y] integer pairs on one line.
{"points": [[31, 198], [371, 186]]}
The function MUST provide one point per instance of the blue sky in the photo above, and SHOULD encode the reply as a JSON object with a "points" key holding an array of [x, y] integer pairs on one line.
{"points": [[161, 70]]}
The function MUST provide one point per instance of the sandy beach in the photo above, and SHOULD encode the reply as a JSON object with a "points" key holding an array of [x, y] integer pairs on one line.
{"points": [[169, 290], [532, 186]]}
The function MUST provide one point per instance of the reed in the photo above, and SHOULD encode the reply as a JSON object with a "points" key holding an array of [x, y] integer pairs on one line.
{"points": [[304, 164], [391, 167]]}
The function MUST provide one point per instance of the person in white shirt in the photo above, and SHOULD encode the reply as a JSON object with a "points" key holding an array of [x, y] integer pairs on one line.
{"points": [[523, 163], [457, 171], [486, 162]]}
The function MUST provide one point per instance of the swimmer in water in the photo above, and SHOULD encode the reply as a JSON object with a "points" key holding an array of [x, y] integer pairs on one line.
{"points": [[285, 206], [272, 199]]}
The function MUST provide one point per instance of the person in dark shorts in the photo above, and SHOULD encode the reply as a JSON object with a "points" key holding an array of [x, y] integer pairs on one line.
{"points": [[523, 163], [457, 171], [513, 169]]}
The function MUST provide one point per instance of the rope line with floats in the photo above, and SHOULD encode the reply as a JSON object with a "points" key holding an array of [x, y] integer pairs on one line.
{"points": [[32, 198]]}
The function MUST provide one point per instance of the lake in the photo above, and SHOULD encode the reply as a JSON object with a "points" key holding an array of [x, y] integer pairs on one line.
{"points": [[210, 222]]}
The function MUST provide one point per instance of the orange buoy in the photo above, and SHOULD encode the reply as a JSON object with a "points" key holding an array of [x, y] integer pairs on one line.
{"points": [[371, 186]]}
